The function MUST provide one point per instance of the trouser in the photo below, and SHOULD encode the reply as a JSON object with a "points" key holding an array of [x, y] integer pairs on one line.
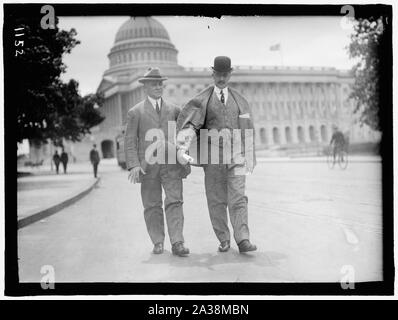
{"points": [[57, 167], [64, 164], [226, 189], [95, 167], [151, 194]]}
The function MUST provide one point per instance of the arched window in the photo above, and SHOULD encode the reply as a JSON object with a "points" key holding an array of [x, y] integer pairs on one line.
{"points": [[324, 134], [263, 136], [275, 135], [312, 134], [288, 135], [300, 134]]}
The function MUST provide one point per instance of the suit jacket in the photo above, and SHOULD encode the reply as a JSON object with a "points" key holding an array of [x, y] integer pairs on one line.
{"points": [[142, 118], [64, 157], [94, 156], [193, 115]]}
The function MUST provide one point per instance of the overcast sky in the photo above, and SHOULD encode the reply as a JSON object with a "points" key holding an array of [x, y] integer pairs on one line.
{"points": [[305, 41]]}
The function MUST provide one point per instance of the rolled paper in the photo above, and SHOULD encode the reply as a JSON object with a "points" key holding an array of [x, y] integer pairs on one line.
{"points": [[187, 158]]}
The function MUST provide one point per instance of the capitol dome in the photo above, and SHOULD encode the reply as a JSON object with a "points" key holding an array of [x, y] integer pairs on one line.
{"points": [[139, 43]]}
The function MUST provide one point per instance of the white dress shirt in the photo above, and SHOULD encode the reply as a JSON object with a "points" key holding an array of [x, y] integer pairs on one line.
{"points": [[224, 91], [153, 102]]}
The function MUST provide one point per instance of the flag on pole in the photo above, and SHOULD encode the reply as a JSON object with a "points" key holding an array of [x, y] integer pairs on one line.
{"points": [[275, 47]]}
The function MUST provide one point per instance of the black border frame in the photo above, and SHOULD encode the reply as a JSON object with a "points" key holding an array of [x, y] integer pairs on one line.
{"points": [[12, 285]]}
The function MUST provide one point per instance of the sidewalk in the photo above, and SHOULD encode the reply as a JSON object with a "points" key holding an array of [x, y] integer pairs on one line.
{"points": [[41, 192]]}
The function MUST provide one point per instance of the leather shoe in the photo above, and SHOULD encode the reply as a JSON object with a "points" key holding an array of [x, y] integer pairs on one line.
{"points": [[224, 246], [158, 248], [246, 246], [178, 249]]}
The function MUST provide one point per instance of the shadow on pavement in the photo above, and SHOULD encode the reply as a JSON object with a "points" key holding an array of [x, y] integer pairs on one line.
{"points": [[208, 260]]}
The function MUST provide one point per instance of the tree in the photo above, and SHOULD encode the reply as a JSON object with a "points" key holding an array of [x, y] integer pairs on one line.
{"points": [[71, 116], [48, 108], [368, 42]]}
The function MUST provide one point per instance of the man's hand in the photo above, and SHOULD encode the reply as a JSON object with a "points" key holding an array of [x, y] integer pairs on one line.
{"points": [[184, 138], [134, 174], [183, 158]]}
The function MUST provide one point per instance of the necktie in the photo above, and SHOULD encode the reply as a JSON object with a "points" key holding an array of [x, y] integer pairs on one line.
{"points": [[222, 97], [157, 107]]}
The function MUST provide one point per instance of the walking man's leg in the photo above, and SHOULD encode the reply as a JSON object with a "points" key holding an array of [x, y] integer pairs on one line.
{"points": [[238, 209], [174, 213], [151, 194], [173, 209], [95, 167], [237, 205], [216, 194]]}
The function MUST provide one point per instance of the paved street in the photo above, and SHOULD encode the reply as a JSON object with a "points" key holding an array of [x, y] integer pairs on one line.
{"points": [[307, 221]]}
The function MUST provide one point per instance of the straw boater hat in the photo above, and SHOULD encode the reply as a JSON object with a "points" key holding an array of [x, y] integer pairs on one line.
{"points": [[153, 74]]}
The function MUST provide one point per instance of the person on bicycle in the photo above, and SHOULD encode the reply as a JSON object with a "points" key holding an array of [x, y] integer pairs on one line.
{"points": [[338, 141]]}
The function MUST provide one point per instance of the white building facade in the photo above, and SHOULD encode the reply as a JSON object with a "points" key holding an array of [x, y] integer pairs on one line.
{"points": [[293, 107]]}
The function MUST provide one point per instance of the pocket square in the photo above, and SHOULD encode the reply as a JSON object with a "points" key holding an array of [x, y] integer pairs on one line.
{"points": [[244, 116]]}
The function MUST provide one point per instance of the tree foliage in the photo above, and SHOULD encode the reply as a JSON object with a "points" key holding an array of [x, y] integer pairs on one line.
{"points": [[48, 108], [367, 43]]}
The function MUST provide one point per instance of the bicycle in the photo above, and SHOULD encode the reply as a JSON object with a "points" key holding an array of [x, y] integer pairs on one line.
{"points": [[341, 158]]}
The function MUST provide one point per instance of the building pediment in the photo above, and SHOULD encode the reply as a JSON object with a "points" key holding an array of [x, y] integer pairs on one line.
{"points": [[106, 83]]}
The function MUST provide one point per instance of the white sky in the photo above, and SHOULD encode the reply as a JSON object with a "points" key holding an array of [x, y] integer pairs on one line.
{"points": [[305, 41]]}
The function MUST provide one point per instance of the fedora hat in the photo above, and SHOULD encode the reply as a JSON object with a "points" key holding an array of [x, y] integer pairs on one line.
{"points": [[222, 64], [152, 74]]}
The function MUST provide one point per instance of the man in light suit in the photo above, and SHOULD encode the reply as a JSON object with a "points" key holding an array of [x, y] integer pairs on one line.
{"points": [[153, 116], [219, 108]]}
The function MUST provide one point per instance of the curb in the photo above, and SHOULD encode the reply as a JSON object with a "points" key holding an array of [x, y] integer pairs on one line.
{"points": [[55, 208]]}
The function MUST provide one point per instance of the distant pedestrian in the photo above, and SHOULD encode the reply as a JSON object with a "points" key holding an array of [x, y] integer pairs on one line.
{"points": [[64, 159], [56, 160], [95, 159], [338, 142]]}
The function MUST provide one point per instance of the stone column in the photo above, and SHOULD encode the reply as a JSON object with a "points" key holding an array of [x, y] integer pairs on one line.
{"points": [[119, 109]]}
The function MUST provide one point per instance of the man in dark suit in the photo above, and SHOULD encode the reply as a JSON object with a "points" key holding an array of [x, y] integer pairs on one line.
{"points": [[220, 109], [64, 159], [155, 164], [57, 160], [94, 159]]}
